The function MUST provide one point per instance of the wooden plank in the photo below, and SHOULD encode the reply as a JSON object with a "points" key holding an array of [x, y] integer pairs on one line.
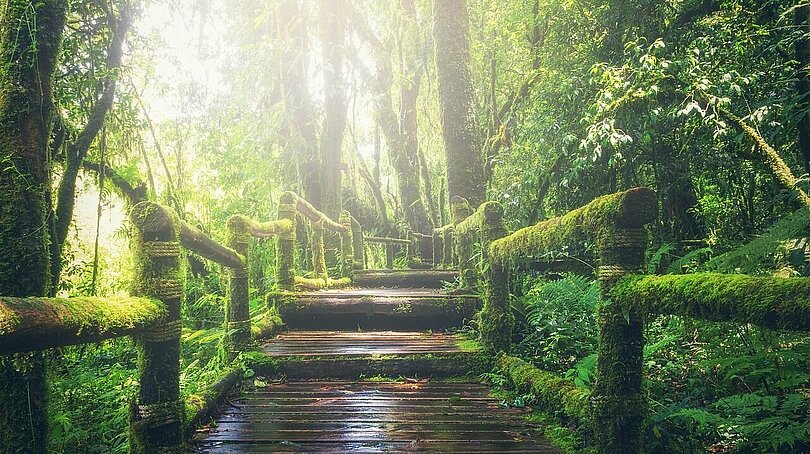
{"points": [[340, 447], [353, 416]]}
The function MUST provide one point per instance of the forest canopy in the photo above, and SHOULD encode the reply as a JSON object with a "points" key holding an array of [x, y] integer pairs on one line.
{"points": [[410, 114]]}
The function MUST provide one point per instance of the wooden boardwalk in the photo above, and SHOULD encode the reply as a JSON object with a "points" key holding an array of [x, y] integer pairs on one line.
{"points": [[317, 396], [366, 417]]}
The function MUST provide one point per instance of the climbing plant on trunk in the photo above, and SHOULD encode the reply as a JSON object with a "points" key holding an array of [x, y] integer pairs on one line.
{"points": [[30, 34]]}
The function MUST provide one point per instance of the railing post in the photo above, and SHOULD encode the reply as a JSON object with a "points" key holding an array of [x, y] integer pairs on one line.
{"points": [[156, 416], [438, 256], [237, 314], [346, 245], [359, 246], [318, 251], [448, 252], [389, 256], [496, 318], [618, 403], [285, 245], [464, 241]]}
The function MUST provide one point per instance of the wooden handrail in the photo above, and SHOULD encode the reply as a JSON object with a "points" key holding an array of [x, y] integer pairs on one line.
{"points": [[377, 239], [30, 324], [196, 241], [312, 213]]}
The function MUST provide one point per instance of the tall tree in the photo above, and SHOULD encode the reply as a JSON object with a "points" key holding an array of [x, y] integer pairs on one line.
{"points": [[30, 35], [299, 122], [333, 41], [399, 130], [77, 150], [462, 138]]}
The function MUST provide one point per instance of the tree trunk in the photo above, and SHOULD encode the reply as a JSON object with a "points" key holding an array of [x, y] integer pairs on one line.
{"points": [[802, 49], [679, 194], [300, 117], [77, 151], [31, 35], [333, 34], [462, 138]]}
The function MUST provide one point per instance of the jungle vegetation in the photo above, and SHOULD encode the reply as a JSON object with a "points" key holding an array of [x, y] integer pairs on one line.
{"points": [[389, 109]]}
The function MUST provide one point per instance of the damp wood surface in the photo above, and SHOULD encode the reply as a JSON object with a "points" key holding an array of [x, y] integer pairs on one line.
{"points": [[371, 416], [343, 343]]}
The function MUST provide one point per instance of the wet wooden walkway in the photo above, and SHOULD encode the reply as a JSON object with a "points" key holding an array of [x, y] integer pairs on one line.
{"points": [[369, 416], [317, 396]]}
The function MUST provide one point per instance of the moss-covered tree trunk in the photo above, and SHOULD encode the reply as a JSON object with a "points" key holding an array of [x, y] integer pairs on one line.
{"points": [[333, 39], [299, 123], [802, 50], [462, 138], [31, 32]]}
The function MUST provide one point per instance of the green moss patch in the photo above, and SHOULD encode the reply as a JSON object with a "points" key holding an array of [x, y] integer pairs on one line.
{"points": [[771, 302], [553, 393], [583, 226]]}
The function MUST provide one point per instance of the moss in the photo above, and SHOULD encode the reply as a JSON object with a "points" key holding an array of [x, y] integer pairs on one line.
{"points": [[771, 302], [756, 256], [565, 438], [495, 320], [74, 320], [318, 250], [237, 312], [460, 209], [159, 357], [346, 245], [469, 345], [303, 283], [553, 393], [31, 35], [583, 227], [285, 247]]}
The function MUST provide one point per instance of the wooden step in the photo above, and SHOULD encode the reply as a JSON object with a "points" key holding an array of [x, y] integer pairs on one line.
{"points": [[348, 355], [404, 278], [367, 416], [364, 309]]}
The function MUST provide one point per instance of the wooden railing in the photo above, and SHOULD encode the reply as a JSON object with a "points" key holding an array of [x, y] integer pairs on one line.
{"points": [[610, 231]]}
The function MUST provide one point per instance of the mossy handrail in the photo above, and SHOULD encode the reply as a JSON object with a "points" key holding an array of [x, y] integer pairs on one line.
{"points": [[30, 324], [196, 241], [386, 240], [612, 226], [351, 245], [765, 301]]}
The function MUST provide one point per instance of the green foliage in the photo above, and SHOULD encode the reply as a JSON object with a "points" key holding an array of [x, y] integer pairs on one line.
{"points": [[560, 321]]}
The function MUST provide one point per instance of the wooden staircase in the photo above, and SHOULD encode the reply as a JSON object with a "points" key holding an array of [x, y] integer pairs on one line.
{"points": [[358, 372]]}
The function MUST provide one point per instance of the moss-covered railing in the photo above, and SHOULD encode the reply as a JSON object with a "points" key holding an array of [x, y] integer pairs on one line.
{"points": [[610, 228], [390, 245], [350, 250], [443, 238]]}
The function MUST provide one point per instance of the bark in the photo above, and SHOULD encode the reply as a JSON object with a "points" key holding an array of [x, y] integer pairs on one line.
{"points": [[77, 150], [400, 131], [30, 36], [462, 138], [333, 30], [802, 49], [679, 197], [300, 122]]}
